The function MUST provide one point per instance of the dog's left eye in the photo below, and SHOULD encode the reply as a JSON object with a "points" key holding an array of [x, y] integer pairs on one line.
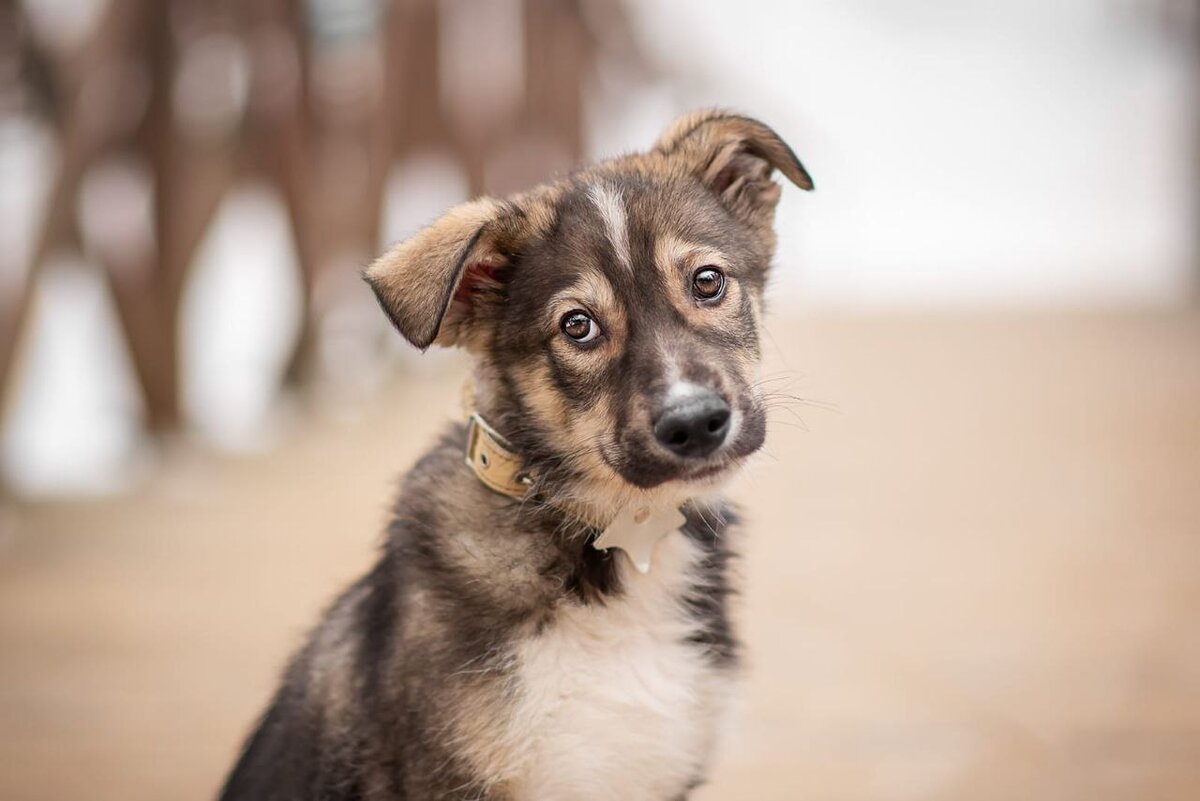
{"points": [[579, 326], [708, 283]]}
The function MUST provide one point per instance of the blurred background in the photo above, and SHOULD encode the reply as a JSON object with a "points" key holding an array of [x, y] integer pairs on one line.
{"points": [[973, 569]]}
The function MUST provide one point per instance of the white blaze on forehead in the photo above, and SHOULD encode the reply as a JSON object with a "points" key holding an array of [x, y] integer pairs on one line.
{"points": [[609, 203]]}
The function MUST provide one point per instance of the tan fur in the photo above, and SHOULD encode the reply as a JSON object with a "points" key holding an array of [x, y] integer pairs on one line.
{"points": [[414, 275], [699, 135], [416, 279]]}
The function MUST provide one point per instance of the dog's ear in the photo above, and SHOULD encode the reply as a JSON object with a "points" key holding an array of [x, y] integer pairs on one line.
{"points": [[734, 156], [436, 286]]}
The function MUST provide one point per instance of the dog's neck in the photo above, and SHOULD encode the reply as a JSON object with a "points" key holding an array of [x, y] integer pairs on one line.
{"points": [[635, 524]]}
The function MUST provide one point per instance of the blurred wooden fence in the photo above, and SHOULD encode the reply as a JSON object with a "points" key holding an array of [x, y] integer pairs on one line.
{"points": [[318, 98]]}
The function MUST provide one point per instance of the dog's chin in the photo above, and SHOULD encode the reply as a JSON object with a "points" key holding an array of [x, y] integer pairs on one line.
{"points": [[712, 476]]}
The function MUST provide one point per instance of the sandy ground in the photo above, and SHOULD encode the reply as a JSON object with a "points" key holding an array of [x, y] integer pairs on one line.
{"points": [[973, 571]]}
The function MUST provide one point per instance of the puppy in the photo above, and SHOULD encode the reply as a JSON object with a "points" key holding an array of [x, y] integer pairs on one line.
{"points": [[547, 618]]}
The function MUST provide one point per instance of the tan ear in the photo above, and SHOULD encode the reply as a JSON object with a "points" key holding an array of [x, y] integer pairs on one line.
{"points": [[435, 286], [734, 156]]}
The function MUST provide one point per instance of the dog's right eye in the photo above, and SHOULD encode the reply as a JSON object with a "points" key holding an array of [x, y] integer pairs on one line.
{"points": [[579, 326]]}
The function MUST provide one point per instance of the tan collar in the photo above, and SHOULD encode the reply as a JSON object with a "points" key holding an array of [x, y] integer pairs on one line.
{"points": [[493, 461]]}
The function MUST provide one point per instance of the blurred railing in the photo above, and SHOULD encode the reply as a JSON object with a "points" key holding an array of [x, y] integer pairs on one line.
{"points": [[158, 107], [1180, 22]]}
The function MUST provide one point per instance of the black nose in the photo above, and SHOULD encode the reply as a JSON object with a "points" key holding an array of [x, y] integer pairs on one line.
{"points": [[693, 427]]}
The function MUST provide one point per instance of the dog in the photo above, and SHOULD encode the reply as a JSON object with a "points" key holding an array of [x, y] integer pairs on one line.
{"points": [[548, 615]]}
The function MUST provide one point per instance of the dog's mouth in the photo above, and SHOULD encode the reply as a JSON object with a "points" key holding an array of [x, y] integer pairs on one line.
{"points": [[711, 473]]}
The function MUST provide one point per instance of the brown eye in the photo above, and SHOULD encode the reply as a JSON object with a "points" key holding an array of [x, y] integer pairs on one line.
{"points": [[708, 283], [579, 326]]}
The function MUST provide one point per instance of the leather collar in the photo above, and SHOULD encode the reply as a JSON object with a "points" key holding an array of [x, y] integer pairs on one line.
{"points": [[494, 462]]}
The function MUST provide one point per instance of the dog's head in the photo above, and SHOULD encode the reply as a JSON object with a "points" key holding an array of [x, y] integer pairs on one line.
{"points": [[615, 314]]}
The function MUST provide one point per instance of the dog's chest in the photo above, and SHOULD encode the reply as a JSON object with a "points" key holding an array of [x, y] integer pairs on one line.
{"points": [[611, 700]]}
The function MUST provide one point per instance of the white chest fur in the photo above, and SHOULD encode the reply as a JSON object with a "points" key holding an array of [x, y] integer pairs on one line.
{"points": [[611, 702]]}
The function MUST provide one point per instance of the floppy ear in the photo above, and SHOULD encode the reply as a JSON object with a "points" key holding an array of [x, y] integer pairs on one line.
{"points": [[436, 286], [734, 156]]}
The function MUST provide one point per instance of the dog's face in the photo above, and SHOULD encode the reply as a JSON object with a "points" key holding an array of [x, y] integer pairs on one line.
{"points": [[615, 314]]}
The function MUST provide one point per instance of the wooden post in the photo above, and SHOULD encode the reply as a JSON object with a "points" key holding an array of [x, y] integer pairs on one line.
{"points": [[295, 132]]}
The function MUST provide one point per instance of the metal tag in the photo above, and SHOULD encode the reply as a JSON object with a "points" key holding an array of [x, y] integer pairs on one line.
{"points": [[637, 530]]}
